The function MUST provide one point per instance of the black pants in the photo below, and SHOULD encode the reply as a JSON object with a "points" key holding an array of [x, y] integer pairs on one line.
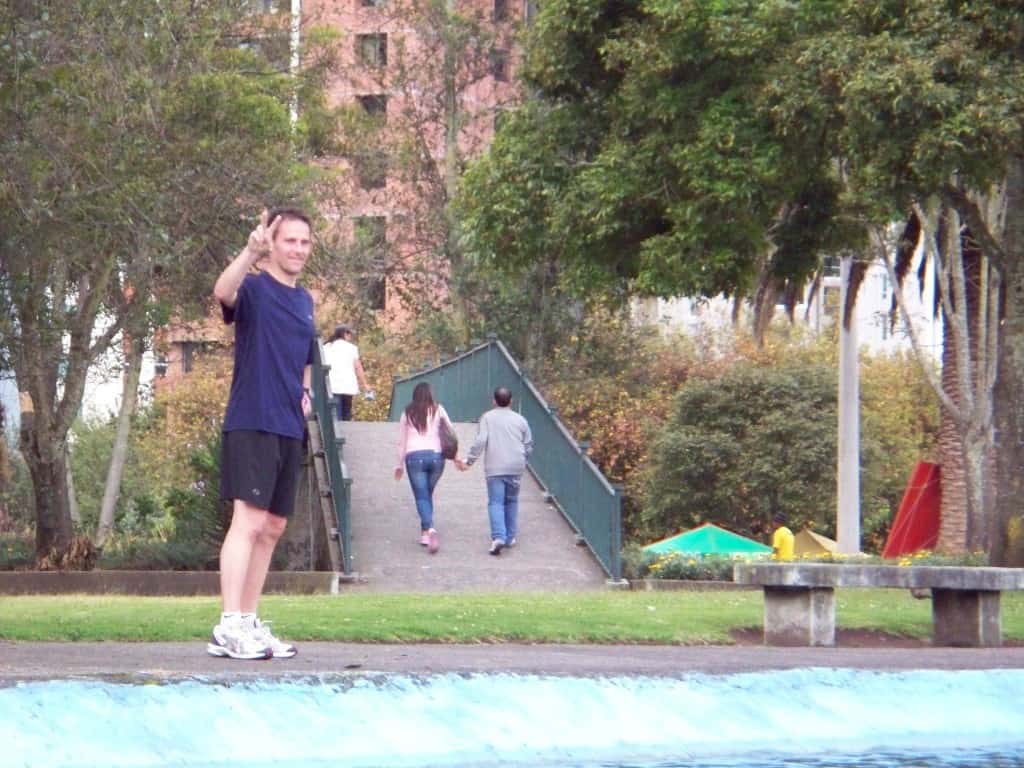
{"points": [[344, 407]]}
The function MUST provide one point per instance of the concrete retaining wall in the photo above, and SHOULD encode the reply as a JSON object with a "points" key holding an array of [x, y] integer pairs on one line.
{"points": [[156, 583]]}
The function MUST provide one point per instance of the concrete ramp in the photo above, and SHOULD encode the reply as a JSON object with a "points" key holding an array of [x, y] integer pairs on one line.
{"points": [[385, 528]]}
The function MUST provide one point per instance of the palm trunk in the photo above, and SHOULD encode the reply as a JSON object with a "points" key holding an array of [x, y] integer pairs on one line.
{"points": [[953, 507], [955, 455]]}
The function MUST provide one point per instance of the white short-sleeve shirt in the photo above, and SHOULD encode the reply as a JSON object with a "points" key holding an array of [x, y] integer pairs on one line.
{"points": [[341, 355]]}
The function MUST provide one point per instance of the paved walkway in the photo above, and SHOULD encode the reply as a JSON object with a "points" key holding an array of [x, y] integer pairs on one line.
{"points": [[136, 661], [385, 528]]}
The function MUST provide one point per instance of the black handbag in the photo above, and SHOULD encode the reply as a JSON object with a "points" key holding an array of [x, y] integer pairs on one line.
{"points": [[449, 440]]}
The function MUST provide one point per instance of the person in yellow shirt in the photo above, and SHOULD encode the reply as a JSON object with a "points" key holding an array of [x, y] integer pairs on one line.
{"points": [[782, 538]]}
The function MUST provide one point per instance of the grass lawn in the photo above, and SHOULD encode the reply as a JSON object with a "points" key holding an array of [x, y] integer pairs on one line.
{"points": [[690, 618]]}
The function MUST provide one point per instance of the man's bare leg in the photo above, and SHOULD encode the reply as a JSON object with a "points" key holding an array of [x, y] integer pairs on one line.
{"points": [[259, 560], [236, 553]]}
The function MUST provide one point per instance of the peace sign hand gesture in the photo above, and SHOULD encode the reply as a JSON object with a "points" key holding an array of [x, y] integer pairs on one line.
{"points": [[262, 238]]}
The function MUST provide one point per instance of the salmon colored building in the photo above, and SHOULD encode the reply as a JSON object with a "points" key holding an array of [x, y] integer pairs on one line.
{"points": [[421, 110], [431, 105]]}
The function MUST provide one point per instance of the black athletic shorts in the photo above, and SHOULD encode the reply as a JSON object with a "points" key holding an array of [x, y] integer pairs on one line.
{"points": [[261, 468]]}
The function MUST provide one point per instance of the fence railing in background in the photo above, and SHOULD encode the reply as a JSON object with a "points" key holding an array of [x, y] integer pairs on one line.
{"points": [[340, 482], [465, 385]]}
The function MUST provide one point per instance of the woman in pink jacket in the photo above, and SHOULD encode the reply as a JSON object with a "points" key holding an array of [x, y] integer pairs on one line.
{"points": [[419, 451]]}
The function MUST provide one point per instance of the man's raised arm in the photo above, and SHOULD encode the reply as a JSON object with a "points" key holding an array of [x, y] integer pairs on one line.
{"points": [[260, 239]]}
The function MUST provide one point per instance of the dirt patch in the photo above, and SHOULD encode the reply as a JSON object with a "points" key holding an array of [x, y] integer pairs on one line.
{"points": [[845, 638]]}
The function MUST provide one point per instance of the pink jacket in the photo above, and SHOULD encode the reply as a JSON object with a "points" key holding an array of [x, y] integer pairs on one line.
{"points": [[410, 439]]}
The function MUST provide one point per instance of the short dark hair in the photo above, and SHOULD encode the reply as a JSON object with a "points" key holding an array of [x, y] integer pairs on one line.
{"points": [[503, 396], [341, 331], [779, 517], [288, 213]]}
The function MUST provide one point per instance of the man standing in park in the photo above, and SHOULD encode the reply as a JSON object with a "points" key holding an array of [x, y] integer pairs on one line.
{"points": [[504, 438], [264, 424], [783, 541]]}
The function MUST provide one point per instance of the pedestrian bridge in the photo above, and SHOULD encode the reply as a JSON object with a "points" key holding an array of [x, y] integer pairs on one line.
{"points": [[354, 518], [385, 528]]}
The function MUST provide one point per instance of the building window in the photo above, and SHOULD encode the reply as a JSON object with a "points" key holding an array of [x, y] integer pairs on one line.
{"points": [[371, 235], [375, 105], [371, 243], [372, 50], [500, 10], [371, 170], [374, 291], [188, 355], [261, 6], [500, 64]]}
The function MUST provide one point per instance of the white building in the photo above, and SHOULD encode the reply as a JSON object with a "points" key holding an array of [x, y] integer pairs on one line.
{"points": [[875, 328]]}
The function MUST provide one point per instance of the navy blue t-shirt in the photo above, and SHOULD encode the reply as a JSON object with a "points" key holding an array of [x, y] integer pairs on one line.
{"points": [[274, 338]]}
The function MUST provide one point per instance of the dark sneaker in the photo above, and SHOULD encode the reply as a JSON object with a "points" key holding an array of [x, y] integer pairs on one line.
{"points": [[236, 642], [279, 649], [496, 547]]}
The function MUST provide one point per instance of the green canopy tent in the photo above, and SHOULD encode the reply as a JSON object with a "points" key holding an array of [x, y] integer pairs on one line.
{"points": [[708, 539]]}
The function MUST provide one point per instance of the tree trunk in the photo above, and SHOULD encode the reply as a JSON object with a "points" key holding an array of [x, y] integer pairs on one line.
{"points": [[73, 510], [1008, 524], [49, 484], [119, 454]]}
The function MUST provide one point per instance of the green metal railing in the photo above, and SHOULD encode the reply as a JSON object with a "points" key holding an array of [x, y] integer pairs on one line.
{"points": [[466, 383], [340, 481]]}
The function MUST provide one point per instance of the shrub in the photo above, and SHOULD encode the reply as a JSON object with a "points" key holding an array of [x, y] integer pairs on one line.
{"points": [[688, 566], [17, 551], [17, 503], [616, 384], [611, 383], [735, 450], [192, 523]]}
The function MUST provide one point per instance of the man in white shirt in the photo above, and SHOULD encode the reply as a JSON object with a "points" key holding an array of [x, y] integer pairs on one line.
{"points": [[346, 372]]}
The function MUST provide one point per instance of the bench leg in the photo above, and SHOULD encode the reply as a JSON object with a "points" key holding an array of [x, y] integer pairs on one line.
{"points": [[799, 616], [966, 618]]}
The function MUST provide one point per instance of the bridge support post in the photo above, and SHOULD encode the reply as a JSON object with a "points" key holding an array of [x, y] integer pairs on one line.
{"points": [[799, 616], [966, 618]]}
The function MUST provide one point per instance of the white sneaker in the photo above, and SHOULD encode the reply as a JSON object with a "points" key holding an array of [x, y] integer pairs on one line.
{"points": [[279, 648], [237, 642], [511, 542]]}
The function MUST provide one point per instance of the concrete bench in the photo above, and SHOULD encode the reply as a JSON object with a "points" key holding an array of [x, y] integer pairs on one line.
{"points": [[800, 609]]}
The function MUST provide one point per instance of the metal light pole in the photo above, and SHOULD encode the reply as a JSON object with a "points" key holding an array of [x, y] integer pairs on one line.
{"points": [[848, 482]]}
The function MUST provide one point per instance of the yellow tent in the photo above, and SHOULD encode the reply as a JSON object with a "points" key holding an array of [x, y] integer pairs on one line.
{"points": [[807, 542]]}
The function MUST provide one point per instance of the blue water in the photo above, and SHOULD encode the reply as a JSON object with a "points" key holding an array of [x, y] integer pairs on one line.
{"points": [[794, 719]]}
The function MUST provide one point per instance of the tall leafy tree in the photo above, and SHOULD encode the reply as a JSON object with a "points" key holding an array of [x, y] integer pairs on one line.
{"points": [[135, 137], [691, 147], [642, 160]]}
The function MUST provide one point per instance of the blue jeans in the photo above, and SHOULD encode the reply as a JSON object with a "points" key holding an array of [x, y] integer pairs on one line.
{"points": [[503, 506], [424, 469]]}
